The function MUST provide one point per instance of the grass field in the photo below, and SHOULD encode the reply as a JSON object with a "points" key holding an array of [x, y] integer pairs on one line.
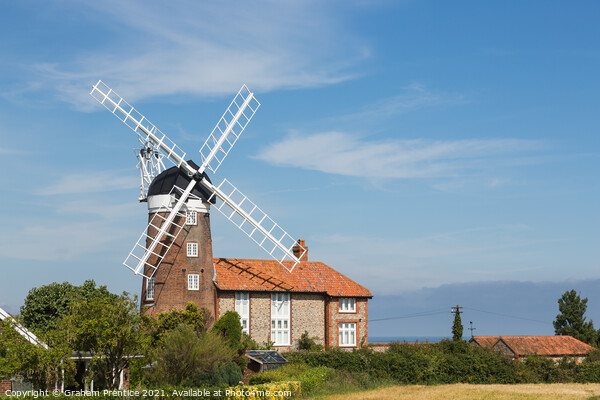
{"points": [[479, 392]]}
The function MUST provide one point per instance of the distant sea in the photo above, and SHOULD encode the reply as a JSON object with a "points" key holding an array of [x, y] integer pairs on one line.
{"points": [[410, 339]]}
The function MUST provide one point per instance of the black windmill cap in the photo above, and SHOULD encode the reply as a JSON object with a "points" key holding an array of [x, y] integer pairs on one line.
{"points": [[177, 176]]}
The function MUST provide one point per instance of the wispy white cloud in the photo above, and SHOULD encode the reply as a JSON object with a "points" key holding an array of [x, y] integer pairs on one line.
{"points": [[412, 97], [60, 241], [92, 182], [207, 49], [344, 154]]}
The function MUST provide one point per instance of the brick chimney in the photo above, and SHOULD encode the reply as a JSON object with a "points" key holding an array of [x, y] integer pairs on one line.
{"points": [[299, 248]]}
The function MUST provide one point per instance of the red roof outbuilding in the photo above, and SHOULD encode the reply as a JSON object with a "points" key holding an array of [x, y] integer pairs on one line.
{"points": [[549, 346]]}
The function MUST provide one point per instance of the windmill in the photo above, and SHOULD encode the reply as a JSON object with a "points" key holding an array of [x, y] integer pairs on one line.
{"points": [[179, 199]]}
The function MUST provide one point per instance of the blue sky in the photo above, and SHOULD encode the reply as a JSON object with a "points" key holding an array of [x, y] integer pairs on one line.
{"points": [[413, 144]]}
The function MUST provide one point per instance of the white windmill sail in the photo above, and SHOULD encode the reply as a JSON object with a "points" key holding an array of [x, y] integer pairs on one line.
{"points": [[228, 129], [145, 259], [26, 333], [252, 221]]}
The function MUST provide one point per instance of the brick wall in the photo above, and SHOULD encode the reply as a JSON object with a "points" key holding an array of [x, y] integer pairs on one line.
{"points": [[359, 317], [5, 385], [171, 283]]}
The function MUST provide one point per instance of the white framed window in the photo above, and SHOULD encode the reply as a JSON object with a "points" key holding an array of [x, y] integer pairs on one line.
{"points": [[242, 307], [347, 331], [191, 218], [193, 282], [150, 288], [192, 249], [347, 304], [280, 319]]}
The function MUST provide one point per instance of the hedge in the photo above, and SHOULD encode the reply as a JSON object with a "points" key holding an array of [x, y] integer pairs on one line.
{"points": [[450, 362]]}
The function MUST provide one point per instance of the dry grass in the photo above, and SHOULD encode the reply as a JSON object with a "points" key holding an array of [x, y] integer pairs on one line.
{"points": [[479, 392]]}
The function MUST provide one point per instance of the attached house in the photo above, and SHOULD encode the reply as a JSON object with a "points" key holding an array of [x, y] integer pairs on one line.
{"points": [[275, 305], [554, 347], [279, 306]]}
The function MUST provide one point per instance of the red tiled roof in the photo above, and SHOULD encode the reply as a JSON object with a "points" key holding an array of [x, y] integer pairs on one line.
{"points": [[485, 341], [268, 275], [541, 345]]}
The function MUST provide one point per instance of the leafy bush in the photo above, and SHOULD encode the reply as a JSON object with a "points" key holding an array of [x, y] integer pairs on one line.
{"points": [[310, 379], [308, 343], [539, 370], [184, 354], [286, 373], [190, 316], [224, 374], [447, 362], [314, 378], [230, 328]]}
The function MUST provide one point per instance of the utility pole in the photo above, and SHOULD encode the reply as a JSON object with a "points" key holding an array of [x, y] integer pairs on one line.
{"points": [[457, 328], [471, 328], [456, 310]]}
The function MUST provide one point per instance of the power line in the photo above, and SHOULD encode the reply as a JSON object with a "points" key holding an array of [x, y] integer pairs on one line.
{"points": [[507, 316], [415, 315], [454, 310]]}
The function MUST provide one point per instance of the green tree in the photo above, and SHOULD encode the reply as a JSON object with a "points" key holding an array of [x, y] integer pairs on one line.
{"points": [[39, 365], [45, 305], [109, 328], [571, 318], [170, 320], [8, 362], [184, 354], [457, 327], [230, 327]]}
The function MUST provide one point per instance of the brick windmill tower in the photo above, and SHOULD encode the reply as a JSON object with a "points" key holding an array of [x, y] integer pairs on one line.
{"points": [[174, 253]]}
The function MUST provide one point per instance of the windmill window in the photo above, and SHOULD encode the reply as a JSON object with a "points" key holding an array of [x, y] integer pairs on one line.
{"points": [[347, 305], [242, 307], [347, 332], [192, 249], [193, 282], [191, 218], [280, 319], [150, 288]]}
